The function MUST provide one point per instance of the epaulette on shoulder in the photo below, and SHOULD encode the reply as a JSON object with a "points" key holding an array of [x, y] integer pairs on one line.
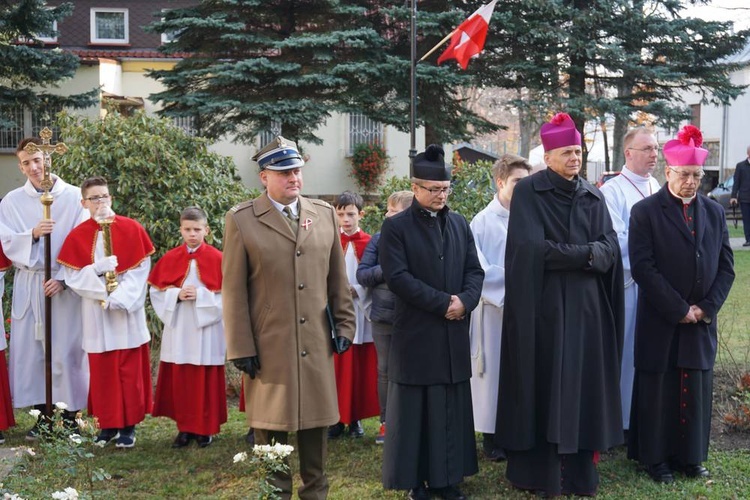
{"points": [[321, 203], [241, 206]]}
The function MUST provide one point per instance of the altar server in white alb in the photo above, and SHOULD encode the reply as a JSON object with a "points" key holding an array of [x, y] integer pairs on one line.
{"points": [[115, 334], [22, 230], [634, 183], [186, 295], [490, 229]]}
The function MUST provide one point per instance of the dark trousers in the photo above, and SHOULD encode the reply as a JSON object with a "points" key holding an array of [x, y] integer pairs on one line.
{"points": [[312, 446], [381, 336], [745, 209]]}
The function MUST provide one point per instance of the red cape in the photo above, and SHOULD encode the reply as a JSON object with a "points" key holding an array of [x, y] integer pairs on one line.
{"points": [[172, 269], [5, 262], [130, 243], [360, 239]]}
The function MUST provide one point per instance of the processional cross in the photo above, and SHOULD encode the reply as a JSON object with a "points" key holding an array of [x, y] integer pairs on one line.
{"points": [[47, 150]]}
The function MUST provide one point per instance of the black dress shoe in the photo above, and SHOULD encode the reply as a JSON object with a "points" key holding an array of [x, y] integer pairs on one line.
{"points": [[182, 440], [661, 473], [203, 441], [495, 455], [746, 244], [336, 430], [419, 493], [449, 493], [694, 471]]}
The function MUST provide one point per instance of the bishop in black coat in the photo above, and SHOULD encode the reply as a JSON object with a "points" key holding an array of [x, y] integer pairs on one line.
{"points": [[558, 401], [429, 261], [683, 264]]}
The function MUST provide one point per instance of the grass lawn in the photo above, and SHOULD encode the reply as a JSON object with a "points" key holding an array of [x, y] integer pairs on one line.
{"points": [[154, 470]]}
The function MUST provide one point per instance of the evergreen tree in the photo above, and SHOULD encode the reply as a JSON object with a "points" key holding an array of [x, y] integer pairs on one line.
{"points": [[29, 71], [252, 64], [618, 58]]}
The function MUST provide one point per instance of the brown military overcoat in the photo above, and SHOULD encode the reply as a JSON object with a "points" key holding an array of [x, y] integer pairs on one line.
{"points": [[275, 289]]}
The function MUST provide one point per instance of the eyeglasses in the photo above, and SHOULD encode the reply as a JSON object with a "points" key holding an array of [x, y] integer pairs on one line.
{"points": [[437, 191], [648, 149], [685, 176], [98, 199]]}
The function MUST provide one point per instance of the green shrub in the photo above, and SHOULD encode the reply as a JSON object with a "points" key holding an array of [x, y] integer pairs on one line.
{"points": [[154, 170]]}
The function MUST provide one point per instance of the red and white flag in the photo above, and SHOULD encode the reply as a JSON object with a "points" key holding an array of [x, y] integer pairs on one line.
{"points": [[468, 39]]}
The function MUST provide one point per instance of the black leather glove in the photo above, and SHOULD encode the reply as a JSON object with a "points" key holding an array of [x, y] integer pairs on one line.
{"points": [[249, 365], [343, 344]]}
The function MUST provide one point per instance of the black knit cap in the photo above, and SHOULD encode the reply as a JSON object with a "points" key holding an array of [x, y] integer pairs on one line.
{"points": [[430, 165]]}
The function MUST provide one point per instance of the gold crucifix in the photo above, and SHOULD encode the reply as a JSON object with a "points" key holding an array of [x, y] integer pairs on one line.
{"points": [[47, 149]]}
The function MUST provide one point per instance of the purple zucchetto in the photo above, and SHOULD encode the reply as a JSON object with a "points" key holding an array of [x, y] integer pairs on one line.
{"points": [[559, 132]]}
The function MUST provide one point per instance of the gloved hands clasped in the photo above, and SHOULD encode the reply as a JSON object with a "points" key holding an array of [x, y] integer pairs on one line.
{"points": [[250, 365]]}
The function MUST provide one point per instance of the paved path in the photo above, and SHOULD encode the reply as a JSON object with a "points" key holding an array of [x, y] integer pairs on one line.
{"points": [[8, 458], [736, 244]]}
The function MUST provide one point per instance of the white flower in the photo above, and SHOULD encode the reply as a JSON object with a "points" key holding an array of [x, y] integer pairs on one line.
{"points": [[76, 438], [61, 406], [240, 457], [100, 444], [272, 452], [12, 496], [82, 423], [66, 494], [35, 413], [31, 452]]}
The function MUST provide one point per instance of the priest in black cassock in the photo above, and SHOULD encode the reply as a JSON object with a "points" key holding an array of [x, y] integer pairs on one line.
{"points": [[430, 263], [558, 401], [683, 264]]}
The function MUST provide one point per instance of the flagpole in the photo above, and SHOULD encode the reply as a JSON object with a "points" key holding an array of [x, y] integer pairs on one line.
{"points": [[413, 85], [441, 42]]}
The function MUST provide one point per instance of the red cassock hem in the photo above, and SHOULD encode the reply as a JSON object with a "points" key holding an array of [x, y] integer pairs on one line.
{"points": [[357, 382], [120, 392], [193, 396], [6, 405]]}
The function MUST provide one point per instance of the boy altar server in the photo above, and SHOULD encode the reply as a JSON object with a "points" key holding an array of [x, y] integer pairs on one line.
{"points": [[115, 334], [356, 369], [186, 295]]}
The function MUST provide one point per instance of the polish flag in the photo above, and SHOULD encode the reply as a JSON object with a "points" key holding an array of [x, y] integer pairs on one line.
{"points": [[468, 39]]}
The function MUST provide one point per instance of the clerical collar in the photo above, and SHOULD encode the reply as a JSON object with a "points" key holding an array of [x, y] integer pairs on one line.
{"points": [[632, 176], [347, 234], [193, 250], [561, 182], [294, 206], [685, 201]]}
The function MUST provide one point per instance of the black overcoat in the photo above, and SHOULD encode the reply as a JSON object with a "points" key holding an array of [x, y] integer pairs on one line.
{"points": [[424, 265], [563, 322], [674, 269]]}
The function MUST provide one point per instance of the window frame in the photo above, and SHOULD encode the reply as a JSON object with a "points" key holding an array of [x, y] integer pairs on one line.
{"points": [[375, 132], [109, 41]]}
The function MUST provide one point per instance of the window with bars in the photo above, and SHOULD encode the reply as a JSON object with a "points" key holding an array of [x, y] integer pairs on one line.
{"points": [[25, 124], [109, 25], [186, 123], [269, 134], [363, 130]]}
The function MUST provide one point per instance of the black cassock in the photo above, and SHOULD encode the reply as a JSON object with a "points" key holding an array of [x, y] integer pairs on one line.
{"points": [[562, 334], [429, 422]]}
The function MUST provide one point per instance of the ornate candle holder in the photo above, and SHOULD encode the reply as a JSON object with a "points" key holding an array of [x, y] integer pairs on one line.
{"points": [[105, 217]]}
